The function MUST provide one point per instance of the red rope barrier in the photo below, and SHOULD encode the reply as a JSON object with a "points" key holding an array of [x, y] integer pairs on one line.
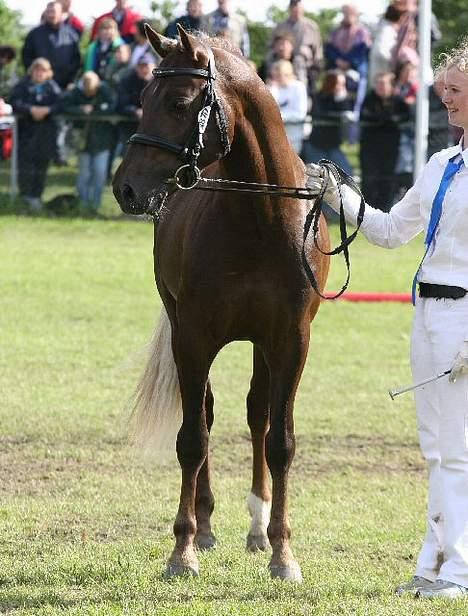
{"points": [[359, 296]]}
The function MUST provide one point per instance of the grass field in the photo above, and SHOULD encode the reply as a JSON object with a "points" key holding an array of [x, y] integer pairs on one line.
{"points": [[85, 524]]}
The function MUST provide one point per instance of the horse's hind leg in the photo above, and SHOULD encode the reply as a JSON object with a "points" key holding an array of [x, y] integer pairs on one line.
{"points": [[192, 445], [204, 502], [286, 361], [259, 501]]}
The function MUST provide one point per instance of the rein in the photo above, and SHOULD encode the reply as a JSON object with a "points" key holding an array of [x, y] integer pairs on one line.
{"points": [[313, 219], [223, 185], [188, 175]]}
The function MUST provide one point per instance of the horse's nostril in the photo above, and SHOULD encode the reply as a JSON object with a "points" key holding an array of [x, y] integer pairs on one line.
{"points": [[127, 192]]}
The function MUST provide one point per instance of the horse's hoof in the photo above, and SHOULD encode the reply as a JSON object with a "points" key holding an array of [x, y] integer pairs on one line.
{"points": [[206, 541], [180, 570], [257, 543], [291, 572]]}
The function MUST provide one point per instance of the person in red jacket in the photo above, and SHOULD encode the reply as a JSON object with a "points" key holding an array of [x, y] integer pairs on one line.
{"points": [[125, 17], [70, 18]]}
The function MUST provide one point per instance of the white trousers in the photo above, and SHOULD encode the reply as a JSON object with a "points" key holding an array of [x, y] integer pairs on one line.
{"points": [[439, 328]]}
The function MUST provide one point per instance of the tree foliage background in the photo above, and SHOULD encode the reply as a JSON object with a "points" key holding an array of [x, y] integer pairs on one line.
{"points": [[453, 20], [11, 30]]}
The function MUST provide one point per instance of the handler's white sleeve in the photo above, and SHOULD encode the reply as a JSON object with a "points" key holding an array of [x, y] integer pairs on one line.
{"points": [[387, 229]]}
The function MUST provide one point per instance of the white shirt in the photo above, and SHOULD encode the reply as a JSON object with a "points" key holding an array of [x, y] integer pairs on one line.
{"points": [[381, 52], [446, 261], [292, 101]]}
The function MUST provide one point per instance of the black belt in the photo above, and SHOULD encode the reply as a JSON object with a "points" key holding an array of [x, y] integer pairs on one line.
{"points": [[440, 291]]}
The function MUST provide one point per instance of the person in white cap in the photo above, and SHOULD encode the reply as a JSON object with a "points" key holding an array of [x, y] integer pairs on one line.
{"points": [[437, 205]]}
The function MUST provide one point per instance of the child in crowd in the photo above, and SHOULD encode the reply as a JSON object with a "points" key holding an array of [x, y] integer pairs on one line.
{"points": [[291, 96], [283, 49], [101, 52], [92, 98], [36, 98], [406, 83], [117, 70]]}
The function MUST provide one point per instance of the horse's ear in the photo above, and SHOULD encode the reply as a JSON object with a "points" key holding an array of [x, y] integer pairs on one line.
{"points": [[189, 42], [162, 45]]}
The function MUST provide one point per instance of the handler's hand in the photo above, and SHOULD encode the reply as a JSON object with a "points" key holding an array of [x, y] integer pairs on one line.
{"points": [[315, 181], [460, 365]]}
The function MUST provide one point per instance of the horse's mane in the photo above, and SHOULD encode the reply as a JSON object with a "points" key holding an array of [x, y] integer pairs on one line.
{"points": [[219, 43]]}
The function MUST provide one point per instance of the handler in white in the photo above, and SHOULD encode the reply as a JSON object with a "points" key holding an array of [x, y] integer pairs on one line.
{"points": [[440, 334]]}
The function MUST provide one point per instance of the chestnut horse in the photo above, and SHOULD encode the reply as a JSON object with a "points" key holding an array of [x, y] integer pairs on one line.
{"points": [[228, 266]]}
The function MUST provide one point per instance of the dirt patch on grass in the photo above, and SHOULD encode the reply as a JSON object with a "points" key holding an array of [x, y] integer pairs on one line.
{"points": [[367, 454], [326, 454], [31, 467], [37, 467]]}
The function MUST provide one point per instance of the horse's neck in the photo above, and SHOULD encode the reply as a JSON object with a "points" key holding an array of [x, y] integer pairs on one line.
{"points": [[261, 150]]}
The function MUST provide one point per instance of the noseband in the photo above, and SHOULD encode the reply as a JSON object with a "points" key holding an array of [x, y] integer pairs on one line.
{"points": [[188, 174]]}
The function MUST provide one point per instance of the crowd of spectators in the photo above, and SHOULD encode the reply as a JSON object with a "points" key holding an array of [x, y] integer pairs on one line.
{"points": [[356, 85]]}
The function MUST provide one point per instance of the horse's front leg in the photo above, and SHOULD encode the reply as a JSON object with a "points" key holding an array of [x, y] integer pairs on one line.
{"points": [[258, 408], [204, 502], [192, 448], [286, 363]]}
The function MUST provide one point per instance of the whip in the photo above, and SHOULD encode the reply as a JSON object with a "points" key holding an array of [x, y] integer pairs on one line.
{"points": [[393, 393]]}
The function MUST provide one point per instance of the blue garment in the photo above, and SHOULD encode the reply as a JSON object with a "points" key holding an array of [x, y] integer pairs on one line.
{"points": [[92, 178], [436, 212], [357, 56]]}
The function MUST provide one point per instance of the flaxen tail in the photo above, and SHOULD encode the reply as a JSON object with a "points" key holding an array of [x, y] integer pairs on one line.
{"points": [[157, 409]]}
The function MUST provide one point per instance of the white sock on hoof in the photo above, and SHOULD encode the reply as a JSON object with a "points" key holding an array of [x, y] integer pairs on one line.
{"points": [[260, 513]]}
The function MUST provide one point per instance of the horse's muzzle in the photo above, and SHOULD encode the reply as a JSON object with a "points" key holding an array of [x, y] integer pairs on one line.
{"points": [[149, 203]]}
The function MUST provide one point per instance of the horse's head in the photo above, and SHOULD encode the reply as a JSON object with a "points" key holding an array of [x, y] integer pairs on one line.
{"points": [[184, 126]]}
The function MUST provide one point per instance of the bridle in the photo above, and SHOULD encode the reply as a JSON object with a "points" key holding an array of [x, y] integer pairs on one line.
{"points": [[188, 175]]}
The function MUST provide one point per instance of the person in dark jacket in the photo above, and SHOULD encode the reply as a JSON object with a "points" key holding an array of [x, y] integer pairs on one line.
{"points": [[382, 113], [328, 117], [36, 98], [129, 93], [192, 20], [57, 42], [92, 98]]}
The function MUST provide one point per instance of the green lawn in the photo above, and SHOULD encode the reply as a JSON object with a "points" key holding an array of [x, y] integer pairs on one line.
{"points": [[85, 524]]}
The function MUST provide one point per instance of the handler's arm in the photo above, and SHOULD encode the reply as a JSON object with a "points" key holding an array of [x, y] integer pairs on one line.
{"points": [[389, 230]]}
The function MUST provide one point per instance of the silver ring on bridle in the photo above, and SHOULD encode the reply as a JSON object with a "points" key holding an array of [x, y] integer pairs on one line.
{"points": [[192, 181]]}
